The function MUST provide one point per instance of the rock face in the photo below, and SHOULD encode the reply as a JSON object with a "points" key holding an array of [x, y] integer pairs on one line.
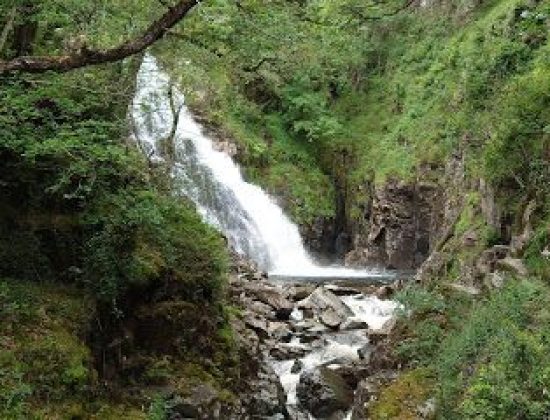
{"points": [[402, 226], [323, 392]]}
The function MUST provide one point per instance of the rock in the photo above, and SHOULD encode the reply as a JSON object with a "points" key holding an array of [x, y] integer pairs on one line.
{"points": [[375, 336], [286, 352], [331, 318], [279, 331], [365, 352], [202, 402], [272, 296], [258, 325], [353, 324], [462, 288], [495, 280], [308, 325], [400, 229], [322, 299], [514, 266], [470, 238], [427, 410], [367, 391], [342, 290], [261, 309], [297, 366], [486, 263], [267, 396], [384, 292], [297, 293], [323, 392], [519, 242], [353, 372]]}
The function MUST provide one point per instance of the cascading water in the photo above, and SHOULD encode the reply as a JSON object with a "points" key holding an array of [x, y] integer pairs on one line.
{"points": [[253, 223]]}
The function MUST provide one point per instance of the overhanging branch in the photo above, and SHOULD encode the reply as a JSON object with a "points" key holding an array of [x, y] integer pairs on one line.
{"points": [[87, 57]]}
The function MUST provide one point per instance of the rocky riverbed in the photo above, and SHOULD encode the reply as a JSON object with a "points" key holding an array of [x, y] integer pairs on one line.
{"points": [[321, 347]]}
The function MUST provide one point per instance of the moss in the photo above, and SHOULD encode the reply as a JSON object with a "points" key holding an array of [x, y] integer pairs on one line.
{"points": [[404, 397], [44, 360]]}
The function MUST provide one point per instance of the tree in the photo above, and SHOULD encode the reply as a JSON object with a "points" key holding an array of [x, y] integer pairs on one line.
{"points": [[85, 56]]}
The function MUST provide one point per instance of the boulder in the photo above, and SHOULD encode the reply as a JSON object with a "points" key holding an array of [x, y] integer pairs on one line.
{"points": [[323, 392], [331, 318], [267, 396], [322, 299], [272, 296], [297, 293]]}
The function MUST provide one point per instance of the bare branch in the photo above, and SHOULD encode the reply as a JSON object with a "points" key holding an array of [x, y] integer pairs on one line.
{"points": [[87, 57]]}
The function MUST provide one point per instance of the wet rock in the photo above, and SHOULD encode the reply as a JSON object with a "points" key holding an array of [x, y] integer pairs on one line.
{"points": [[279, 331], [322, 299], [353, 324], [272, 296], [331, 318], [342, 290], [400, 229], [297, 366], [268, 397], [377, 335], [323, 392], [514, 266], [365, 353], [308, 325], [353, 372], [287, 352]]}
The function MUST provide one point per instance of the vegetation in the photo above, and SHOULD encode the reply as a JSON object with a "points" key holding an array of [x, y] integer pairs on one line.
{"points": [[325, 100], [90, 236]]}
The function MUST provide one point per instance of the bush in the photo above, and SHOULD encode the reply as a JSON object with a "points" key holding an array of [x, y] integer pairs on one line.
{"points": [[140, 239]]}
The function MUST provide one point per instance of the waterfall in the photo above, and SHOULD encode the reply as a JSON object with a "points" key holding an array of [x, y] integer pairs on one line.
{"points": [[250, 219]]}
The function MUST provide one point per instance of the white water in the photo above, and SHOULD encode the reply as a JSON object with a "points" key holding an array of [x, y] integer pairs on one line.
{"points": [[251, 220], [341, 346]]}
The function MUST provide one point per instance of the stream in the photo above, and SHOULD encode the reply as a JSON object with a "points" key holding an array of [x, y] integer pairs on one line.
{"points": [[326, 325]]}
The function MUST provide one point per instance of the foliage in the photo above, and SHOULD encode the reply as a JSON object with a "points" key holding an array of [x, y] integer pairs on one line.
{"points": [[489, 359], [141, 237]]}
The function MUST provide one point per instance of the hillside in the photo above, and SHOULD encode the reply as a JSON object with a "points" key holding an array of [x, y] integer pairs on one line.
{"points": [[403, 135]]}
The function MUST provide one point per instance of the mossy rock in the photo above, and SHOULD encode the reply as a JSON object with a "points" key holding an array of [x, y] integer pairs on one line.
{"points": [[404, 397]]}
